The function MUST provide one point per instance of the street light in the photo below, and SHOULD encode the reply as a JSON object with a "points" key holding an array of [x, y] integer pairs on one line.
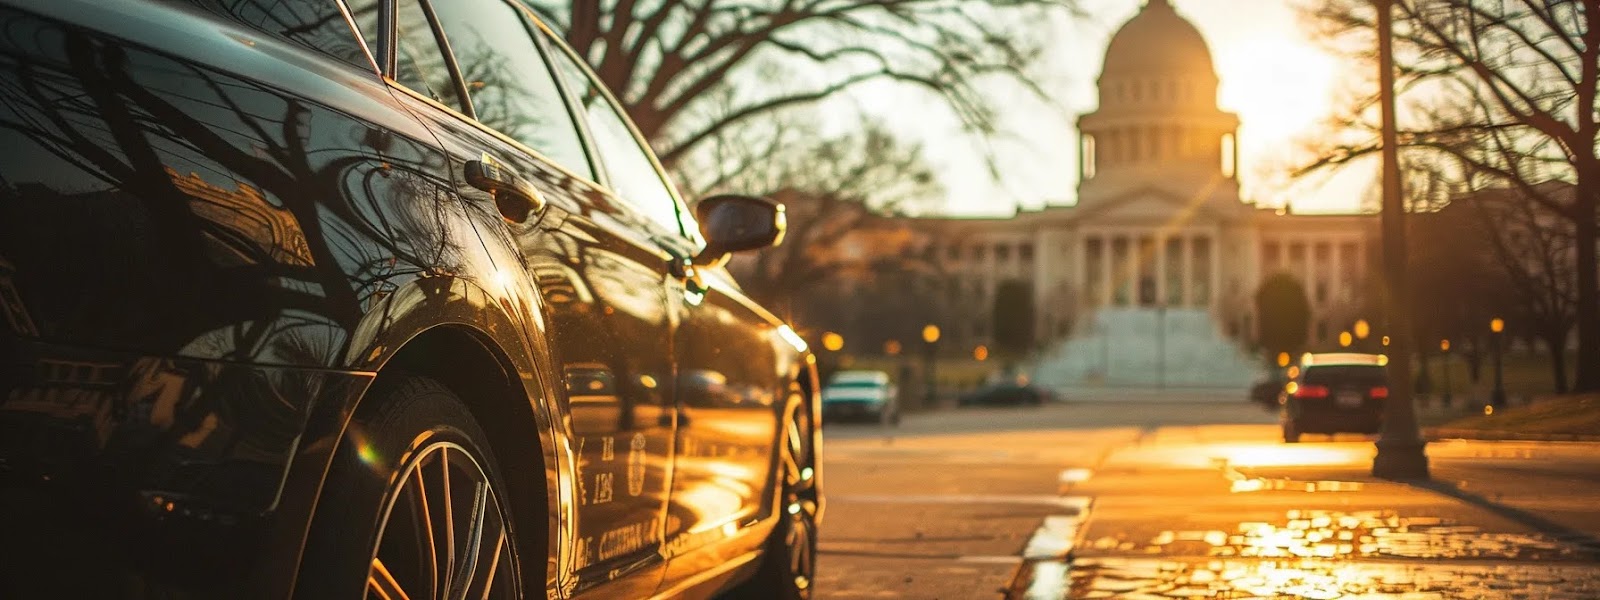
{"points": [[1400, 444], [832, 341], [1444, 348], [1363, 329], [1344, 339], [930, 334], [1283, 359], [892, 347], [1497, 328], [981, 353]]}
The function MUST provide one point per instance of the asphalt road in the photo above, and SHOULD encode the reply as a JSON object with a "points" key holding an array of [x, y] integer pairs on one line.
{"points": [[1149, 499]]}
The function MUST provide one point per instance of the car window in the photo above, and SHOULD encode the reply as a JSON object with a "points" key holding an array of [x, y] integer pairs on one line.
{"points": [[631, 173], [418, 62], [315, 24], [1345, 374], [510, 86], [855, 384]]}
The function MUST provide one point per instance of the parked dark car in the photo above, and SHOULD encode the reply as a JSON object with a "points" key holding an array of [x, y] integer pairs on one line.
{"points": [[345, 298], [1335, 393], [1009, 392], [1267, 391]]}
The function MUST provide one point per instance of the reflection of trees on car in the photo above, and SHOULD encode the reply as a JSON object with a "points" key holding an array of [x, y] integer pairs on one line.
{"points": [[95, 107]]}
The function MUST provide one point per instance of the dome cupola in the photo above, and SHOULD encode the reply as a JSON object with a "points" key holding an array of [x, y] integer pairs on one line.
{"points": [[1158, 108], [1157, 42]]}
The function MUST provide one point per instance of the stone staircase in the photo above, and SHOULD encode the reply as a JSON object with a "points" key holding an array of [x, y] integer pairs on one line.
{"points": [[1148, 348]]}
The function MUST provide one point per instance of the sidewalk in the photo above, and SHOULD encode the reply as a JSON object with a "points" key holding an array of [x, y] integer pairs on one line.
{"points": [[1194, 512]]}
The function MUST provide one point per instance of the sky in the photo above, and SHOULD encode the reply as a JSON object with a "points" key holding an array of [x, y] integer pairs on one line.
{"points": [[1279, 81]]}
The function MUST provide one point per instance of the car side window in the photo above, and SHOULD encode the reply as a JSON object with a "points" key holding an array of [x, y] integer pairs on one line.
{"points": [[419, 62], [510, 86], [315, 24], [631, 172]]}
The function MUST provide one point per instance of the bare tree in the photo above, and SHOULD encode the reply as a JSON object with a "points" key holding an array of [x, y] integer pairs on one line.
{"points": [[836, 189], [1507, 92], [1532, 249], [666, 58]]}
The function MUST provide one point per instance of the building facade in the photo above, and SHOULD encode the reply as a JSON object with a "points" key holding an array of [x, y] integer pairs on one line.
{"points": [[1159, 228]]}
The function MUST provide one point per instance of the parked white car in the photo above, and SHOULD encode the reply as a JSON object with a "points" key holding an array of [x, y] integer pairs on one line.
{"points": [[861, 395]]}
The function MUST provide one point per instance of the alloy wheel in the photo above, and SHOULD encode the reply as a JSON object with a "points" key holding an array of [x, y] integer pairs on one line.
{"points": [[442, 533], [800, 501]]}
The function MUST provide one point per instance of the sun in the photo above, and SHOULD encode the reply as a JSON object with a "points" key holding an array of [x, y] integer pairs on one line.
{"points": [[1281, 87]]}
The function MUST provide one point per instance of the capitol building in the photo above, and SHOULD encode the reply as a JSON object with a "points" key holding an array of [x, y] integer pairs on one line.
{"points": [[1150, 278]]}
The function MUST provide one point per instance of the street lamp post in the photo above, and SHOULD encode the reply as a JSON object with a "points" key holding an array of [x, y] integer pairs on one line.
{"points": [[930, 335], [1400, 444], [1444, 349], [1497, 327]]}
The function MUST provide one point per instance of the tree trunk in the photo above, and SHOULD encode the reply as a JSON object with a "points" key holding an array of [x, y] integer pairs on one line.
{"points": [[1558, 360], [1588, 370]]}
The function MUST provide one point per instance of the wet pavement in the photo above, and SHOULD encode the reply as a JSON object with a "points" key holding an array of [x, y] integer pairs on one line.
{"points": [[1333, 534], [1317, 579], [1111, 501]]}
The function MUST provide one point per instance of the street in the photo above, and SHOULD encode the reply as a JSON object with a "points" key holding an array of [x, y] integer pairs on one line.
{"points": [[1150, 498]]}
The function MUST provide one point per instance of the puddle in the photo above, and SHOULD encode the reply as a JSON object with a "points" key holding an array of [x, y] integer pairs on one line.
{"points": [[1312, 579], [1258, 484], [1345, 535]]}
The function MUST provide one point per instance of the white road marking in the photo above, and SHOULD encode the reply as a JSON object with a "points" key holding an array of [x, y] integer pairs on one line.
{"points": [[1074, 476], [1050, 581], [1053, 539]]}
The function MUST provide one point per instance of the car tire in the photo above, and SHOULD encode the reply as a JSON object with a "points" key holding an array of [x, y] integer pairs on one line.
{"points": [[788, 563], [413, 460]]}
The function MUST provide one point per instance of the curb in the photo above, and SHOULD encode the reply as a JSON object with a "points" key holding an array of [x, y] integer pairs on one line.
{"points": [[1434, 433]]}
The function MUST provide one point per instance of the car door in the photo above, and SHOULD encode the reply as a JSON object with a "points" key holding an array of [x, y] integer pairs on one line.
{"points": [[595, 278], [732, 378]]}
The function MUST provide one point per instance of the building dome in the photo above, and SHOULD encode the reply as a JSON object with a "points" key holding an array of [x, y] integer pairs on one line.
{"points": [[1158, 41]]}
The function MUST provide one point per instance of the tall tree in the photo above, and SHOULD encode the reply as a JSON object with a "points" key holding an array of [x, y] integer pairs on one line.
{"points": [[1509, 91], [834, 190], [1014, 317], [1284, 315], [688, 70], [1530, 265]]}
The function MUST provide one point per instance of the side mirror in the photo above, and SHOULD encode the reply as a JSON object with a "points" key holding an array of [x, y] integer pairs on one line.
{"points": [[732, 223]]}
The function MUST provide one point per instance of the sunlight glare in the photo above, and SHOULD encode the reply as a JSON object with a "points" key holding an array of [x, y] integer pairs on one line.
{"points": [[1280, 86]]}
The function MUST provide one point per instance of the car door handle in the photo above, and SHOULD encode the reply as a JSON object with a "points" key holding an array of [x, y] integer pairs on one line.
{"points": [[516, 199]]}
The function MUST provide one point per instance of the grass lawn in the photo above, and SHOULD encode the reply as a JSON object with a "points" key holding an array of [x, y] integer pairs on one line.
{"points": [[1524, 375], [1572, 415]]}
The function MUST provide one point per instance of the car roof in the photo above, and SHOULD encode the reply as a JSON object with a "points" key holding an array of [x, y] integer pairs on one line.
{"points": [[1349, 359], [859, 377]]}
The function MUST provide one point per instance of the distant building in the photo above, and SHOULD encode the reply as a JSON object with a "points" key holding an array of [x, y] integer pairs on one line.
{"points": [[1160, 246]]}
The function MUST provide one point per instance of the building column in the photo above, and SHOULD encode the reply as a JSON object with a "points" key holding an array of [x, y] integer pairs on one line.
{"points": [[1336, 283], [1235, 154], [1159, 247], [1106, 277], [1188, 269], [1312, 272], [1082, 159], [1214, 248], [1080, 269]]}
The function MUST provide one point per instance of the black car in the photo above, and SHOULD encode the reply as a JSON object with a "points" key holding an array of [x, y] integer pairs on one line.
{"points": [[1018, 392], [1266, 391], [1335, 393], [382, 298]]}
